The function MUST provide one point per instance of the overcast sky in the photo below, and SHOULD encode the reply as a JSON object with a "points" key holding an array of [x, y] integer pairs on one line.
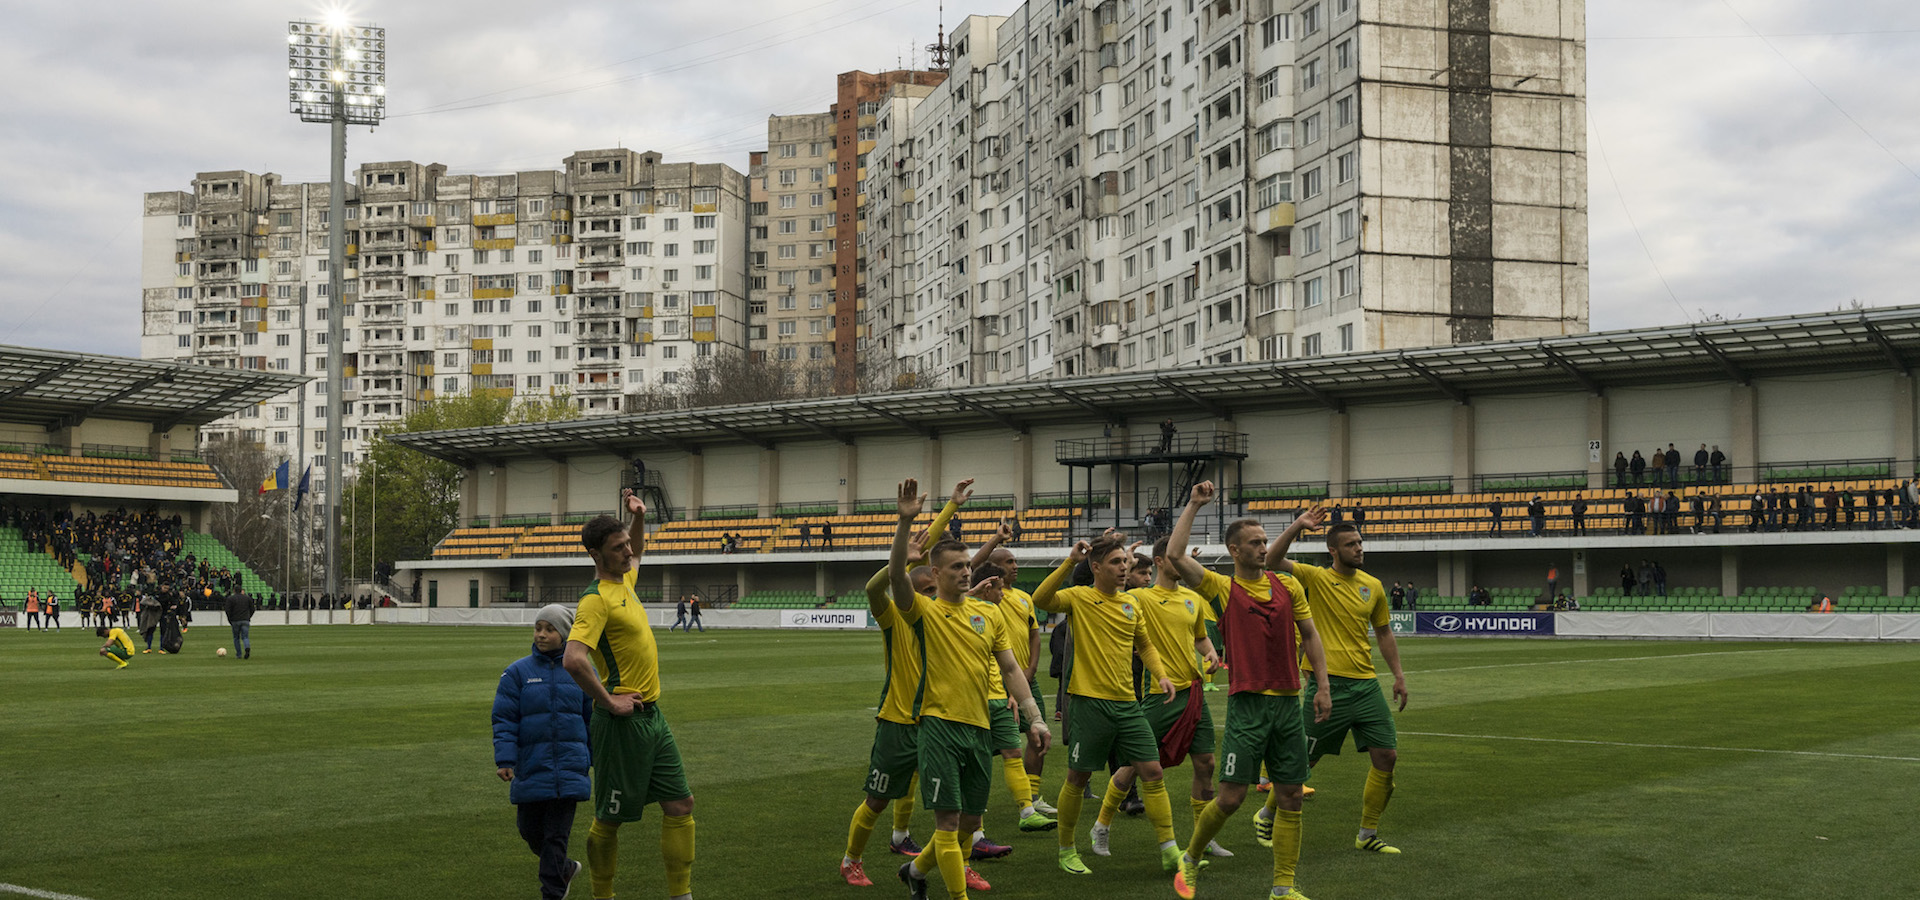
{"points": [[1729, 174]]}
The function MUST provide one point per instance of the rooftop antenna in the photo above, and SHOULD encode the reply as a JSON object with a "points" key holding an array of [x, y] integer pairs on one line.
{"points": [[940, 49]]}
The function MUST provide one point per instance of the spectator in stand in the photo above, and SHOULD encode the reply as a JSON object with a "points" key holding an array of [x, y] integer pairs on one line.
{"points": [[1494, 509], [1537, 515], [1909, 502], [1359, 517], [1573, 603], [1553, 581], [1659, 578], [1626, 579], [1645, 583], [1659, 510], [1718, 461], [1719, 514], [1620, 469], [1673, 466], [826, 535], [1413, 596], [1673, 513], [1579, 510], [806, 536], [1774, 510], [1639, 466], [1846, 507], [1830, 499], [1167, 431], [1873, 509], [1398, 595], [1479, 597], [1805, 508], [1700, 460], [1889, 504], [1630, 512], [1699, 503], [1336, 515]]}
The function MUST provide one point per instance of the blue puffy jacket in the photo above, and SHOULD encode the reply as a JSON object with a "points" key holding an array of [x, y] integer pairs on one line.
{"points": [[540, 730]]}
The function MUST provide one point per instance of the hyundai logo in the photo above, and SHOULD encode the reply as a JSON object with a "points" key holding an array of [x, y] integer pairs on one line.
{"points": [[799, 618], [1447, 623]]}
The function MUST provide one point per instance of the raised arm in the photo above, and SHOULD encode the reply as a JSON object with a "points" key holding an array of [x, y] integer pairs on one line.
{"points": [[1277, 550], [878, 599], [910, 502], [1046, 596], [1192, 573], [636, 522], [1001, 534], [962, 492]]}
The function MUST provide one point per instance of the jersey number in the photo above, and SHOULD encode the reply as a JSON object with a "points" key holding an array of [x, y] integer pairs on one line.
{"points": [[936, 790], [877, 781], [1228, 767], [613, 802]]}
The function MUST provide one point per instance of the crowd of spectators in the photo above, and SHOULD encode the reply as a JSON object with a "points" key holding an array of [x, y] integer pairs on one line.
{"points": [[1662, 467]]}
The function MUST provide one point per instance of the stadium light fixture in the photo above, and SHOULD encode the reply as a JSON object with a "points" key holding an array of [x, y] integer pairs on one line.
{"points": [[336, 73]]}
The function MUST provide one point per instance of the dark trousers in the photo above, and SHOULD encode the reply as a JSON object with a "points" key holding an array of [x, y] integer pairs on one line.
{"points": [[545, 825]]}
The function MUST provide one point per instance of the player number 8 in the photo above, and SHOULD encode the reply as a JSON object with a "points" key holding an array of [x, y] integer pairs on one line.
{"points": [[1228, 768]]}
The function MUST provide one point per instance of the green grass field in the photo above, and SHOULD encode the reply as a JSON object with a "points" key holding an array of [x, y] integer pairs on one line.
{"points": [[355, 763]]}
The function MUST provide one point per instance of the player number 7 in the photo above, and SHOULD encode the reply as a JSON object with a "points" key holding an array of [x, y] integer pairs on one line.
{"points": [[936, 790]]}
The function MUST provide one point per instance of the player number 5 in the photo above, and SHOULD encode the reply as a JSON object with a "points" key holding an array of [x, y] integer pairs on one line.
{"points": [[613, 802]]}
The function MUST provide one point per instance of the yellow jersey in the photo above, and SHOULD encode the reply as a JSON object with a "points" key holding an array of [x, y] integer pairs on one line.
{"points": [[1107, 630], [906, 661], [614, 626], [1174, 622], [1349, 607], [1216, 587], [960, 639], [119, 636], [1016, 607]]}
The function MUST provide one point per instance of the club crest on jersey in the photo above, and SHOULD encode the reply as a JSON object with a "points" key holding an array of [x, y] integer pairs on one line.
{"points": [[979, 624], [1366, 593], [1127, 610], [1189, 604]]}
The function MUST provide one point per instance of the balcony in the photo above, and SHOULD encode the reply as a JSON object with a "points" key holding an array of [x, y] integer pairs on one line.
{"points": [[594, 388], [371, 244], [390, 314], [591, 288], [1273, 218], [587, 259], [384, 339], [599, 336], [388, 264], [597, 307], [597, 363]]}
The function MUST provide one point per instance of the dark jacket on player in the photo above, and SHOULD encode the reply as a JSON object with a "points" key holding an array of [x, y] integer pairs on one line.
{"points": [[540, 730]]}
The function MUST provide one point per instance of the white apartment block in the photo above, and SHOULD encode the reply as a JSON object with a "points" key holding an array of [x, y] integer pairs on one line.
{"points": [[617, 272], [1105, 186], [791, 269]]}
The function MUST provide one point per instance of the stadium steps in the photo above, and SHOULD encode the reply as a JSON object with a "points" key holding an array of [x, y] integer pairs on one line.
{"points": [[24, 568], [216, 554]]}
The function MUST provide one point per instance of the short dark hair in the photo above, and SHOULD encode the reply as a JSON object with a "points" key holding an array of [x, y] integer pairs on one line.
{"points": [[1104, 545], [1238, 525], [1142, 561], [594, 534], [948, 545], [986, 571], [1334, 533], [100, 631]]}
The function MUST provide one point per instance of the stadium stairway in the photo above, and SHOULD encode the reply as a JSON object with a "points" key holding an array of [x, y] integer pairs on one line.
{"points": [[24, 568], [216, 554]]}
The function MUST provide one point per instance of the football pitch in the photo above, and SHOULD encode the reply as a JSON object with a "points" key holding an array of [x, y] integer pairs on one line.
{"points": [[355, 762]]}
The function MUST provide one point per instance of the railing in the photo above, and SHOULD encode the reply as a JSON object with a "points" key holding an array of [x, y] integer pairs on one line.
{"points": [[737, 511], [1280, 490], [1429, 484], [1055, 499], [978, 502], [1764, 473], [115, 451], [1530, 481], [1822, 470], [1177, 444], [814, 508]]}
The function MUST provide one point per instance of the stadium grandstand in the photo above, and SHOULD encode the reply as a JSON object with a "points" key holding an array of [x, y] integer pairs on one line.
{"points": [[1442, 456], [82, 433]]}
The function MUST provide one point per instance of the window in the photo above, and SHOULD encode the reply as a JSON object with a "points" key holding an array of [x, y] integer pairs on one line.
{"points": [[1269, 84], [1346, 338], [1310, 238], [1343, 112], [1314, 292], [1310, 130], [1275, 29], [1345, 283], [1343, 167], [1310, 20], [1343, 228], [1343, 55], [1310, 74], [1274, 189]]}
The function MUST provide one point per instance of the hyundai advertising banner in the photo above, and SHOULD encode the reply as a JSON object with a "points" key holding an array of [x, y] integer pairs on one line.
{"points": [[1486, 623]]}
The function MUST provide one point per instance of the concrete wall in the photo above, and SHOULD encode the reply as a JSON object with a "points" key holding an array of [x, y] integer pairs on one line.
{"points": [[1685, 415], [732, 475], [810, 473], [1285, 446], [593, 482], [1402, 440], [529, 485], [1826, 417], [885, 462], [1540, 433]]}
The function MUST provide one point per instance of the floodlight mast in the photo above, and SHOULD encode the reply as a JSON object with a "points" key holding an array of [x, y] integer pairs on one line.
{"points": [[336, 74]]}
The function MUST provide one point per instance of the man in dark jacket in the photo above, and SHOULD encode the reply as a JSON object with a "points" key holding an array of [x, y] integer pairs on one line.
{"points": [[1579, 510], [1700, 460], [540, 747], [1619, 469], [240, 609], [1638, 466], [1537, 515]]}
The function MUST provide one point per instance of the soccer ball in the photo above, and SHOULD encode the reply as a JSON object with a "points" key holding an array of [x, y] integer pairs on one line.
{"points": [[220, 652]]}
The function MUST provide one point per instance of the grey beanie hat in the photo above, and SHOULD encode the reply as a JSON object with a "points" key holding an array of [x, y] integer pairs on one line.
{"points": [[560, 617]]}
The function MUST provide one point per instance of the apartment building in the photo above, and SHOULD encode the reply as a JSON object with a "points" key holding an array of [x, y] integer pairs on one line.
{"points": [[614, 273], [1100, 187], [791, 270]]}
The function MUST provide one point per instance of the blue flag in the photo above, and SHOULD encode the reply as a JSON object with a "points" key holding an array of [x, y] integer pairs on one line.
{"points": [[306, 479]]}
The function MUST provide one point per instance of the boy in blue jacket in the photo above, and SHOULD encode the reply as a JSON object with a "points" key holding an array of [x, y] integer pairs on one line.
{"points": [[540, 747]]}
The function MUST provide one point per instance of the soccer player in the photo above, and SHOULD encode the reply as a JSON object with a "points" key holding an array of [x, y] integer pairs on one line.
{"points": [[1266, 622], [635, 760], [895, 757], [1024, 635], [118, 646], [1106, 717], [962, 637], [996, 552], [1176, 626], [1347, 602]]}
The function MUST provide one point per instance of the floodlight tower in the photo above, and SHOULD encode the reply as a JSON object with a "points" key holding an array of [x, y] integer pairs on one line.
{"points": [[336, 73]]}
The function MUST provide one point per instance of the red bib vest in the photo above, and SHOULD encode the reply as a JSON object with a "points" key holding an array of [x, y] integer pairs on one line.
{"points": [[1262, 647]]}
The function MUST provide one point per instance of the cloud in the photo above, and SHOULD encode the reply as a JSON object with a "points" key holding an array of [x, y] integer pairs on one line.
{"points": [[1754, 194]]}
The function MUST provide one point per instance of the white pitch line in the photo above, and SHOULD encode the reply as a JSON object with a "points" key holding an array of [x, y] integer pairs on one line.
{"points": [[1572, 662], [31, 892], [1539, 740]]}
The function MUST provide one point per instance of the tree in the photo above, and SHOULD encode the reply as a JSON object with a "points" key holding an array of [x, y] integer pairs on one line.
{"points": [[258, 526], [408, 500]]}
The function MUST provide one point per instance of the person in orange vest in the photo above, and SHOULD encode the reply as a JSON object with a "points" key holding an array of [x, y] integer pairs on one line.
{"points": [[33, 608], [1823, 605]]}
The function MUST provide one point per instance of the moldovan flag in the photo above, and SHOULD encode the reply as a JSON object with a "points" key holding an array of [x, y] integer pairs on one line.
{"points": [[277, 480]]}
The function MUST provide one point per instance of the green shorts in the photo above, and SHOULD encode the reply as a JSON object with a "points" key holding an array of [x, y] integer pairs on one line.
{"points": [[1005, 733], [1039, 700], [1264, 729], [1098, 728], [635, 762], [1359, 706], [895, 757], [955, 766], [118, 652], [1161, 717]]}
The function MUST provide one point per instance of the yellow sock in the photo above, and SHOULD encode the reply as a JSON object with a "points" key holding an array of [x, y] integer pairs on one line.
{"points": [[1110, 802], [1373, 801], [864, 817], [1206, 825], [676, 853], [1159, 808], [903, 807], [1016, 781], [953, 865], [1069, 806], [1286, 846], [603, 856], [1273, 801], [1198, 805]]}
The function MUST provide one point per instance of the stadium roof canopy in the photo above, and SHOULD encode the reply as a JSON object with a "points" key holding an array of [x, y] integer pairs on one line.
{"points": [[1857, 340], [59, 389]]}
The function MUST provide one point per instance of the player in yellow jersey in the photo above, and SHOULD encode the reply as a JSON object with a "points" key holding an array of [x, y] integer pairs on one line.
{"points": [[1023, 632], [996, 552], [1266, 624], [895, 756], [611, 654], [960, 636], [1176, 625], [1347, 603], [1104, 716], [118, 647]]}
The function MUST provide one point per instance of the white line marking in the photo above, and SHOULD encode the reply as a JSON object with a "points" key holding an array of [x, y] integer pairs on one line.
{"points": [[1538, 740], [30, 892], [1571, 662]]}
